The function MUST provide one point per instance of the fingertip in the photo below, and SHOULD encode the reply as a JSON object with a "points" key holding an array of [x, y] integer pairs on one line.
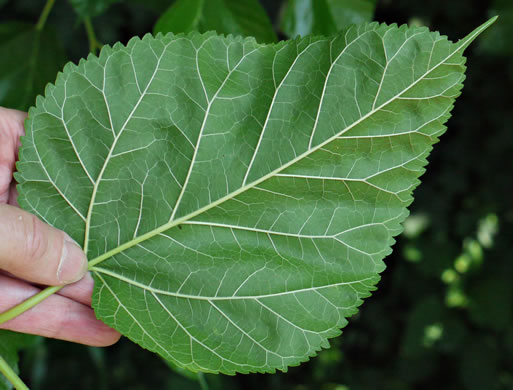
{"points": [[109, 337], [35, 251], [73, 263], [93, 332]]}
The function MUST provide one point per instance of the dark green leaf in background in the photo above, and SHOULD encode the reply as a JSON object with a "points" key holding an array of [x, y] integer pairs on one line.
{"points": [[91, 8], [237, 200], [10, 344], [182, 16], [347, 12], [10, 30], [30, 59], [324, 17], [237, 17]]}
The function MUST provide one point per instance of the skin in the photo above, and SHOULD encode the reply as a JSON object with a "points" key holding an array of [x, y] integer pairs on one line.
{"points": [[34, 254]]}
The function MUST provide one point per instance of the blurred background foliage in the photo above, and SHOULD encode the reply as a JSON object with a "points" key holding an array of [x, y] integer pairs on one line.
{"points": [[442, 317]]}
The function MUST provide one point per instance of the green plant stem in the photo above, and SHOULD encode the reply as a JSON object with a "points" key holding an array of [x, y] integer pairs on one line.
{"points": [[91, 36], [28, 304], [11, 375], [202, 381], [30, 74], [44, 15]]}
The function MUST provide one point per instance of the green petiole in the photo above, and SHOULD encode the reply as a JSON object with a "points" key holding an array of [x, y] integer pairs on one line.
{"points": [[11, 376], [28, 304]]}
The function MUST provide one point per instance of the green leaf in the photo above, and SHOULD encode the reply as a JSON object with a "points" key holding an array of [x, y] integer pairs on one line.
{"points": [[33, 60], [182, 16], [237, 17], [236, 200], [91, 8], [10, 30], [347, 12], [10, 345], [324, 17]]}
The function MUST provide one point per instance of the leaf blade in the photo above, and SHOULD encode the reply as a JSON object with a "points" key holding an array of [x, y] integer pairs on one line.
{"points": [[252, 267]]}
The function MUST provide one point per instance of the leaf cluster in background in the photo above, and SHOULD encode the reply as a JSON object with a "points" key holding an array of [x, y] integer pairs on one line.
{"points": [[442, 316]]}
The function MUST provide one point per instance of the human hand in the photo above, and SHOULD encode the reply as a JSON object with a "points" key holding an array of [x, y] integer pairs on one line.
{"points": [[33, 253]]}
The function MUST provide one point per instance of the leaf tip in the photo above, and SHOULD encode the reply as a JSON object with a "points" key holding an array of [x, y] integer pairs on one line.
{"points": [[465, 42]]}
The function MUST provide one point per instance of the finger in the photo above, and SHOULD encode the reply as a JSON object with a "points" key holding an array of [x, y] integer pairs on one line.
{"points": [[11, 128], [56, 317], [35, 251], [12, 197], [13, 121], [80, 291]]}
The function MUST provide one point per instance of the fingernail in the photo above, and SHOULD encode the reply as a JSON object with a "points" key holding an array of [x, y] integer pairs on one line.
{"points": [[73, 264]]}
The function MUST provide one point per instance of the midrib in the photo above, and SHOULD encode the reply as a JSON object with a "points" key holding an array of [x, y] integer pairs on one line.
{"points": [[223, 298]]}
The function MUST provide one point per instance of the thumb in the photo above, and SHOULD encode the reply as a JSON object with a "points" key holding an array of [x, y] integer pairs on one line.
{"points": [[37, 252]]}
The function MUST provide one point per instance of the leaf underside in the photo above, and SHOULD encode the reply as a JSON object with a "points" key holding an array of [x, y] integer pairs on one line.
{"points": [[237, 199]]}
